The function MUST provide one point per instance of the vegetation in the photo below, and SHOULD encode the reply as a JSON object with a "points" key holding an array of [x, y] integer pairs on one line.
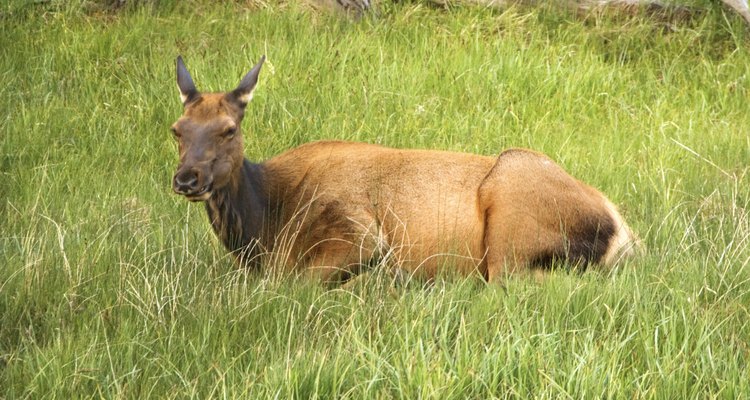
{"points": [[111, 286]]}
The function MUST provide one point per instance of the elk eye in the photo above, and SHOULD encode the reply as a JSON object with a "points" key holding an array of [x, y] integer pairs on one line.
{"points": [[229, 133]]}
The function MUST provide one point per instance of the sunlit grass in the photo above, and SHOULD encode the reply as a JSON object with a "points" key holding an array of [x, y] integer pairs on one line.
{"points": [[110, 286]]}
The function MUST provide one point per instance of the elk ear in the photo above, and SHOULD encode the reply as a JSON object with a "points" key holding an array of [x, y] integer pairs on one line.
{"points": [[188, 92], [244, 91]]}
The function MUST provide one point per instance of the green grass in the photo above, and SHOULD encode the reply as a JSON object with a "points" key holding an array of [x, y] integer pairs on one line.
{"points": [[111, 286]]}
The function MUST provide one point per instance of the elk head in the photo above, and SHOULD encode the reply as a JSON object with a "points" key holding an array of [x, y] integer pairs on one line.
{"points": [[208, 134]]}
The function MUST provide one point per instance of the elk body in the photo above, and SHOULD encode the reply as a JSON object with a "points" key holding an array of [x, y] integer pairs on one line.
{"points": [[332, 207]]}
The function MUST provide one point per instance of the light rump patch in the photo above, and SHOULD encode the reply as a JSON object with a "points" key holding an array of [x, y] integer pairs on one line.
{"points": [[331, 208], [623, 243]]}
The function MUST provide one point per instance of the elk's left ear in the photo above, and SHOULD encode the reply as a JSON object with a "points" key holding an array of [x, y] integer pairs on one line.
{"points": [[188, 92], [244, 91]]}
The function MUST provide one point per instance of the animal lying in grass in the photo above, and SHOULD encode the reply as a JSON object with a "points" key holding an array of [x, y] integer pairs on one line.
{"points": [[329, 208]]}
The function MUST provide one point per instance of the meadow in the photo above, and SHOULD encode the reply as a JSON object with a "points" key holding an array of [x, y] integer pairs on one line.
{"points": [[113, 287]]}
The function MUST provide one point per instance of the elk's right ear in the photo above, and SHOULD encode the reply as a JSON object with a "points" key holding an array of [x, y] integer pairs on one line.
{"points": [[244, 91], [188, 92]]}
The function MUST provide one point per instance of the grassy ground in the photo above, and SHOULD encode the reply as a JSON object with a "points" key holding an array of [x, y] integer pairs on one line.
{"points": [[111, 286]]}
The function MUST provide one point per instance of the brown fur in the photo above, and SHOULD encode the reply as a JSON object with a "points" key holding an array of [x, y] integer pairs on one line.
{"points": [[331, 207]]}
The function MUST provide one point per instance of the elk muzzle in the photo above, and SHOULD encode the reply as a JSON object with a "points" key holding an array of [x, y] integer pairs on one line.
{"points": [[191, 183]]}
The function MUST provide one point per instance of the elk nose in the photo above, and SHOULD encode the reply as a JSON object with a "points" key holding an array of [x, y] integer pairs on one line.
{"points": [[185, 182]]}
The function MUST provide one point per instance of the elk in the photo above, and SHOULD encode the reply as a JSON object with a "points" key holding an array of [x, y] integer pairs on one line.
{"points": [[333, 207]]}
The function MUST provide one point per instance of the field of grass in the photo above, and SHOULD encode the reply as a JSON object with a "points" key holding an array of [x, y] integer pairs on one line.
{"points": [[111, 286]]}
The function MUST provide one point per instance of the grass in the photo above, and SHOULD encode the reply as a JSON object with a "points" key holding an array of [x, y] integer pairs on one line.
{"points": [[110, 286]]}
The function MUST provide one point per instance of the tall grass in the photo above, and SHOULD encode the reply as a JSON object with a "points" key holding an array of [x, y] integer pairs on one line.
{"points": [[110, 286]]}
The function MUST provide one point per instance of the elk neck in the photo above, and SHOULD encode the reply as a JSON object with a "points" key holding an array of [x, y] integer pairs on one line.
{"points": [[238, 211]]}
